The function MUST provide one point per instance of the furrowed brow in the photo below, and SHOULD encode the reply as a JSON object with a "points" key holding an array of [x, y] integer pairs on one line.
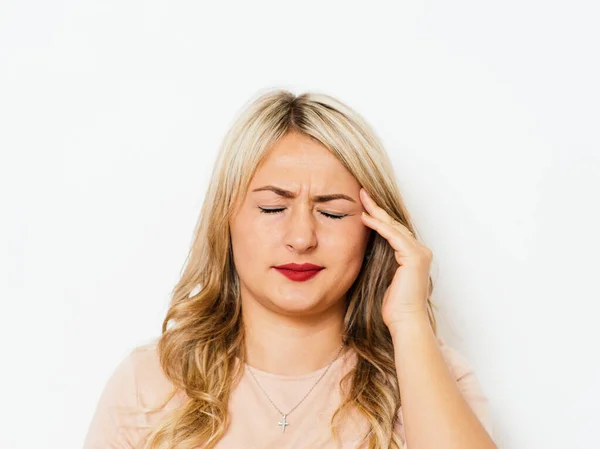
{"points": [[317, 199]]}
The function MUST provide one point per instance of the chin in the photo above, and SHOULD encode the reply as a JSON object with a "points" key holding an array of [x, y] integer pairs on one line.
{"points": [[298, 305]]}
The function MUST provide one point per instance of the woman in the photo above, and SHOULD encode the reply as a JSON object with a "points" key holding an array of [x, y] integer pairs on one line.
{"points": [[300, 321]]}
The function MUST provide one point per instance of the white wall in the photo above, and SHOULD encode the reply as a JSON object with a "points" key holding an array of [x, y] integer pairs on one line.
{"points": [[111, 113]]}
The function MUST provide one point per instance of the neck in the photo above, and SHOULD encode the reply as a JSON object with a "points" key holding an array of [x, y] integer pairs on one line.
{"points": [[287, 345]]}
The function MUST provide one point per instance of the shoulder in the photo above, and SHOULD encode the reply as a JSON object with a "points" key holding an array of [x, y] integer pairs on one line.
{"points": [[142, 379], [123, 413], [456, 361], [139, 379], [152, 385]]}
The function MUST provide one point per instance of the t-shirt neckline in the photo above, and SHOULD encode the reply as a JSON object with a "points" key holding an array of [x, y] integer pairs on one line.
{"points": [[343, 355]]}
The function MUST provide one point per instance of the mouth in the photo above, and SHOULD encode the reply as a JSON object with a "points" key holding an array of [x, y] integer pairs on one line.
{"points": [[299, 273]]}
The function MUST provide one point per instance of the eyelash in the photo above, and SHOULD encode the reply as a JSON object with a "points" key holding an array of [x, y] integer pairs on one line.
{"points": [[276, 211]]}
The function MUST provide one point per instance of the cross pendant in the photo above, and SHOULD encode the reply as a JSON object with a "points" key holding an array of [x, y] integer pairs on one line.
{"points": [[283, 423]]}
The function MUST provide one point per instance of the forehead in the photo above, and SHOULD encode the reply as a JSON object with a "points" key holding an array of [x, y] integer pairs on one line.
{"points": [[297, 158]]}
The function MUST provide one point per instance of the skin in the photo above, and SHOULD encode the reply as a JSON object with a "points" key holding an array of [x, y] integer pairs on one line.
{"points": [[431, 398], [295, 327]]}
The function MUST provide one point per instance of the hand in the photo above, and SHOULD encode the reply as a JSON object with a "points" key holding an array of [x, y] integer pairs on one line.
{"points": [[409, 288]]}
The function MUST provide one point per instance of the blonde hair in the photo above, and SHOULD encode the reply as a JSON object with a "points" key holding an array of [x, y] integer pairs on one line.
{"points": [[202, 336]]}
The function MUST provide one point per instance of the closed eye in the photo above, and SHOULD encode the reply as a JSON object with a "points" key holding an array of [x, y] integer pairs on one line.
{"points": [[276, 211]]}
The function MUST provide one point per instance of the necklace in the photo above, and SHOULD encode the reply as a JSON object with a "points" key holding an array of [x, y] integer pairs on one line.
{"points": [[284, 423]]}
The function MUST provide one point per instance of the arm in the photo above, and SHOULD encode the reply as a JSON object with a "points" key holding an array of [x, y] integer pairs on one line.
{"points": [[435, 413]]}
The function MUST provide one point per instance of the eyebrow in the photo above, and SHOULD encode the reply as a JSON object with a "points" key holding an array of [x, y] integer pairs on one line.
{"points": [[317, 198]]}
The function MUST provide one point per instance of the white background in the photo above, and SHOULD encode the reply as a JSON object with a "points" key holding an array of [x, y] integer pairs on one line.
{"points": [[111, 113]]}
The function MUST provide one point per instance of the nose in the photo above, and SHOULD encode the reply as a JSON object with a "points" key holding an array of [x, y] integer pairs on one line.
{"points": [[300, 235]]}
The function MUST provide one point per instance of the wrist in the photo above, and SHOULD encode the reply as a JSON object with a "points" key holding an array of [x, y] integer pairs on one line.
{"points": [[409, 322]]}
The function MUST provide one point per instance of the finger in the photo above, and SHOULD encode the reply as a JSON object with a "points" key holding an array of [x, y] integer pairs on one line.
{"points": [[373, 209], [398, 240]]}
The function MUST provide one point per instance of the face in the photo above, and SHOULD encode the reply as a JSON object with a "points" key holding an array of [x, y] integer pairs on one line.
{"points": [[282, 220]]}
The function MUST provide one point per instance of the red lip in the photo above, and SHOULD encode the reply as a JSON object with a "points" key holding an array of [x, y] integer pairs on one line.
{"points": [[300, 267], [297, 272]]}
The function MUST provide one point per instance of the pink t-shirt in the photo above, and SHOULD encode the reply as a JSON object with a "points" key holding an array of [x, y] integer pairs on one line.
{"points": [[119, 421]]}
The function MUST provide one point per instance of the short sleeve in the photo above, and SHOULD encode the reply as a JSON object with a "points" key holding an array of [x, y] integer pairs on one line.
{"points": [[109, 428], [468, 384]]}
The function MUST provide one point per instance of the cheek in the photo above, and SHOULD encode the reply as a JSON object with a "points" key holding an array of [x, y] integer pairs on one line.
{"points": [[251, 241], [348, 244]]}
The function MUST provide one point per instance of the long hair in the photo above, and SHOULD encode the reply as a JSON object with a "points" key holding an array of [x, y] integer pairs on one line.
{"points": [[202, 333]]}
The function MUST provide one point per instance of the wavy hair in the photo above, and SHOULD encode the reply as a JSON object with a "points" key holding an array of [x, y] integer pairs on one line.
{"points": [[202, 337]]}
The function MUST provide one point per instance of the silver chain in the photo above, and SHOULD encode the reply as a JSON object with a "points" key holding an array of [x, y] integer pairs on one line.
{"points": [[303, 398]]}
